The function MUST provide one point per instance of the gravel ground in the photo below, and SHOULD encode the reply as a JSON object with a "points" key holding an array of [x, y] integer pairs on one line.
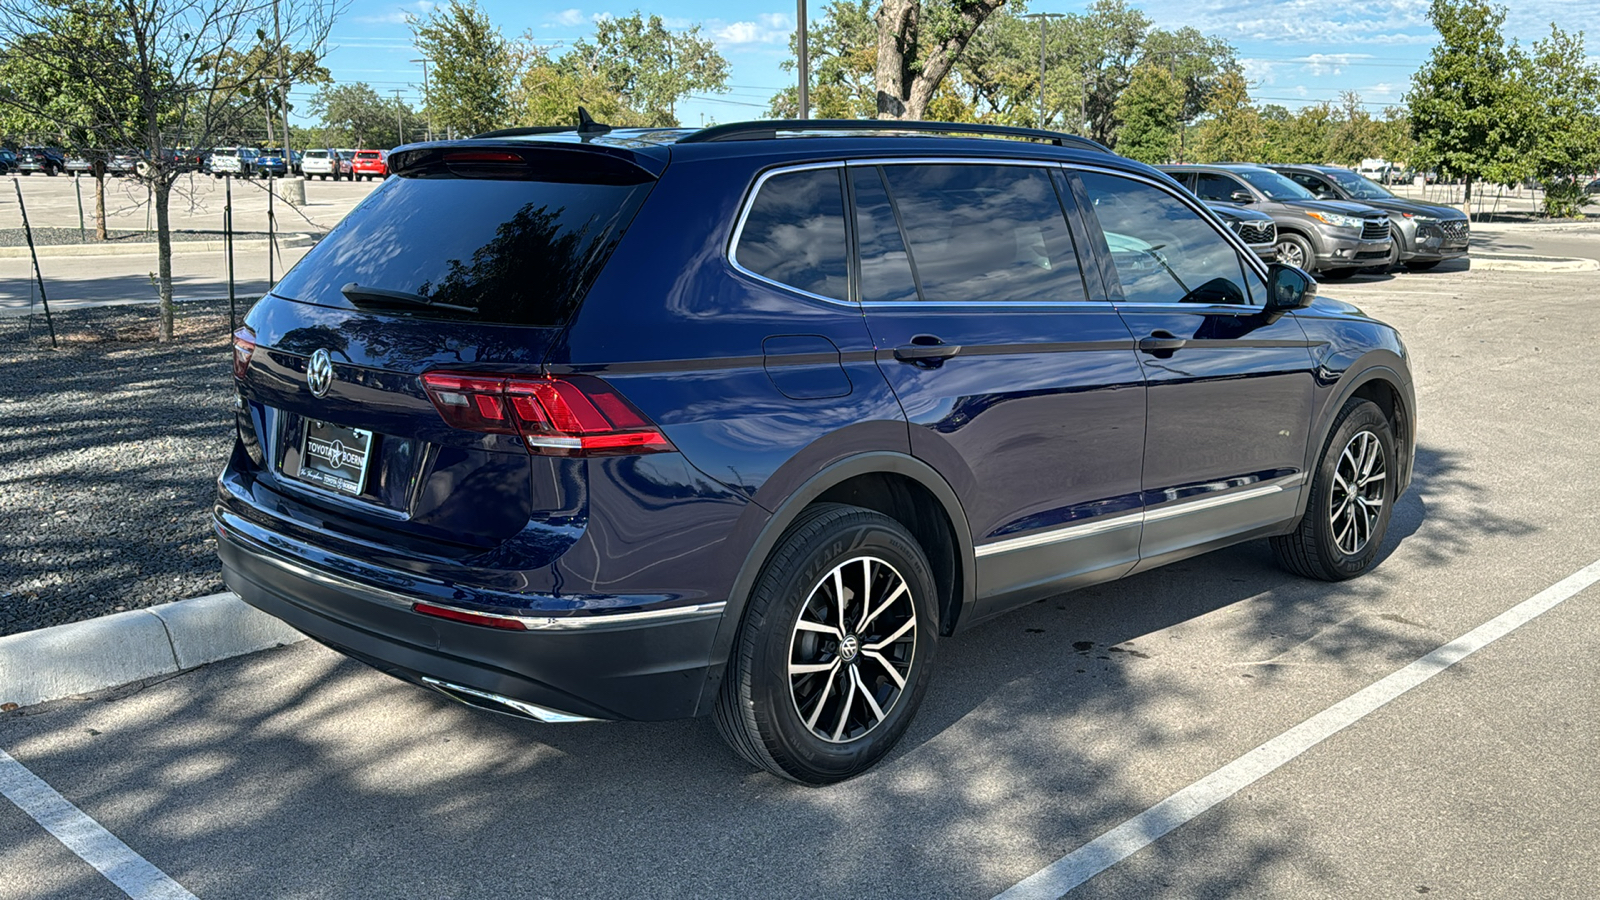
{"points": [[109, 448], [42, 237]]}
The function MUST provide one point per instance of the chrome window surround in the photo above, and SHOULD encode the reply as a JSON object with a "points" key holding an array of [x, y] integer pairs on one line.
{"points": [[1243, 250], [1128, 520]]}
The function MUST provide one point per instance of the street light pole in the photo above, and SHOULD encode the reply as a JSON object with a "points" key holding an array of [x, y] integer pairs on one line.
{"points": [[283, 85], [1042, 17], [426, 106], [805, 64]]}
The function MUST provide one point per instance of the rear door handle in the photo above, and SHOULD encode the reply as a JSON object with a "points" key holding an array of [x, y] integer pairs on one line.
{"points": [[925, 347], [1161, 340]]}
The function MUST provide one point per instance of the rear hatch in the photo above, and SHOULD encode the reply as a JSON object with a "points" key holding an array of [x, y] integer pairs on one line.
{"points": [[471, 263]]}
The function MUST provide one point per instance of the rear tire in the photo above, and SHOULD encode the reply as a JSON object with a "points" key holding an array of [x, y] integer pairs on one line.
{"points": [[847, 598], [1352, 497]]}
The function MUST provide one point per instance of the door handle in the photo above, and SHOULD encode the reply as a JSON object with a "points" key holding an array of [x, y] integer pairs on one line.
{"points": [[1160, 341], [925, 348]]}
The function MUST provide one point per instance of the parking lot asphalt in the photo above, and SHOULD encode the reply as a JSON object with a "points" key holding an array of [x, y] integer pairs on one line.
{"points": [[295, 773]]}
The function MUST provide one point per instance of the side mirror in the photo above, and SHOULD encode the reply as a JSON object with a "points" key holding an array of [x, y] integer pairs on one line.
{"points": [[1241, 197], [1289, 288]]}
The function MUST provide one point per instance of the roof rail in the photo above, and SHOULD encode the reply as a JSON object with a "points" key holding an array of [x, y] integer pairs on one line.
{"points": [[768, 129]]}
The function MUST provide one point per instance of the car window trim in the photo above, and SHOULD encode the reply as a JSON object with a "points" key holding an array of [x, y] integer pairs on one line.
{"points": [[1248, 257], [731, 253]]}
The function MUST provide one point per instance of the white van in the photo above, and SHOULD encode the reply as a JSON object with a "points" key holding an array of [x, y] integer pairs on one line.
{"points": [[324, 163]]}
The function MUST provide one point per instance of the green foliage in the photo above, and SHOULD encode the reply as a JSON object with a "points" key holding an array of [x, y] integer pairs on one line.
{"points": [[1468, 106], [470, 84], [842, 47], [259, 98], [355, 115], [1234, 131], [1563, 136], [1151, 111], [645, 66]]}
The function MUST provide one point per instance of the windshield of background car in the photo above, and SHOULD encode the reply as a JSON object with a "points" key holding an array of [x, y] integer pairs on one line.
{"points": [[1359, 187], [1275, 186], [518, 252]]}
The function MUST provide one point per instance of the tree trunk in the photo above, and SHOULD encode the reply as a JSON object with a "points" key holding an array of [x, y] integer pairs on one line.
{"points": [[897, 47], [99, 200], [1466, 197], [163, 195], [906, 83]]}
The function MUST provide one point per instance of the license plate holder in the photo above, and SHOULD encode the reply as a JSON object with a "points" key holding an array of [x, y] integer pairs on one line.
{"points": [[334, 457]]}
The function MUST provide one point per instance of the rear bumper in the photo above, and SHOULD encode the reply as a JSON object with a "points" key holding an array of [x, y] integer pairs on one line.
{"points": [[644, 666]]}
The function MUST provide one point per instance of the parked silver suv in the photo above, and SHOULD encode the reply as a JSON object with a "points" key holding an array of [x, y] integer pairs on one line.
{"points": [[1329, 237]]}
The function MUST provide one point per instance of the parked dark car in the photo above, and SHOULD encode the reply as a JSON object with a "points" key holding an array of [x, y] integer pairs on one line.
{"points": [[1592, 187], [48, 160], [1424, 234], [734, 422], [1254, 227], [8, 161], [1331, 237], [273, 163]]}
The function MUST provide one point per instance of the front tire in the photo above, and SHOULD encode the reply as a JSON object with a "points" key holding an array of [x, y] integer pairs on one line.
{"points": [[1352, 498], [834, 653], [1294, 250]]}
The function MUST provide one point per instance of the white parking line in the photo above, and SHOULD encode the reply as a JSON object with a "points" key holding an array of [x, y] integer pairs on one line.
{"points": [[1151, 825], [129, 871]]}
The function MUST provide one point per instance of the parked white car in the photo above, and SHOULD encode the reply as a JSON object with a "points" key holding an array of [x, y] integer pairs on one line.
{"points": [[324, 164], [239, 161]]}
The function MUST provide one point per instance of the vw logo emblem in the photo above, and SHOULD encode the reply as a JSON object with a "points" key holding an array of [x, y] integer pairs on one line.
{"points": [[849, 648], [319, 373]]}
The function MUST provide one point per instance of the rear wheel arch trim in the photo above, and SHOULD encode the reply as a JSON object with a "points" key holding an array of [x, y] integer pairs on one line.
{"points": [[830, 476]]}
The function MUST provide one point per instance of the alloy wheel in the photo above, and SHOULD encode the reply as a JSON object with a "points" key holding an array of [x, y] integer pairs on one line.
{"points": [[852, 649], [1356, 500], [1290, 255]]}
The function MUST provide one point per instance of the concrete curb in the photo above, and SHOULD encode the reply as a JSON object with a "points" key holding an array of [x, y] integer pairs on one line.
{"points": [[56, 251], [80, 657], [1512, 262]]}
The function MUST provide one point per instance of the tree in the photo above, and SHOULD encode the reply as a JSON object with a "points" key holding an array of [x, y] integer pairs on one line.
{"points": [[37, 106], [355, 115], [1354, 136], [1564, 134], [843, 48], [648, 67], [1150, 110], [917, 48], [472, 67], [166, 58], [1233, 131], [1110, 34], [1467, 103], [549, 93]]}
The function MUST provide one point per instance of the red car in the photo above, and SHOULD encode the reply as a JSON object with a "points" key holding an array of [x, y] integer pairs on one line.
{"points": [[370, 164]]}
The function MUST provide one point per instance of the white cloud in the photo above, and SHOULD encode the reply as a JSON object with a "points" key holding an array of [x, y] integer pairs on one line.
{"points": [[569, 18], [1261, 71], [1319, 64], [398, 15], [767, 28]]}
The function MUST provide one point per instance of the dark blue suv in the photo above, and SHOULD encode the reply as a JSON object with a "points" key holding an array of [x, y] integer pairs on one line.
{"points": [[744, 421]]}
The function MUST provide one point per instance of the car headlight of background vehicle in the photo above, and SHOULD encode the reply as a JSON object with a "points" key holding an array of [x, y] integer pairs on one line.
{"points": [[1421, 219], [1335, 219]]}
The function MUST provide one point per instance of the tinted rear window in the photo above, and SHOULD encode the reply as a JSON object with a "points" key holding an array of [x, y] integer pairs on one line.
{"points": [[517, 252]]}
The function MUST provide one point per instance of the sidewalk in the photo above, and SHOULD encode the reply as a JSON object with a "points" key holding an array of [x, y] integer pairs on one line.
{"points": [[77, 281]]}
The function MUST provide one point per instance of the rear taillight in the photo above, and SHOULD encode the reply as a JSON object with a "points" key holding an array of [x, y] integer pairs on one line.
{"points": [[471, 618], [565, 415], [244, 347]]}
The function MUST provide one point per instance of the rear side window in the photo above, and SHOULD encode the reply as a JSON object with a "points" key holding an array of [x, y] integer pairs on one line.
{"points": [[1215, 188], [517, 252], [985, 233], [794, 233]]}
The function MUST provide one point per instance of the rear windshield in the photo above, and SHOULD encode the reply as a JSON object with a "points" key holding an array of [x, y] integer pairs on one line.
{"points": [[367, 154], [515, 252]]}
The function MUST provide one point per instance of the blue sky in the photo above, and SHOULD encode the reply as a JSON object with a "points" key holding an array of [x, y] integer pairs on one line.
{"points": [[1295, 52]]}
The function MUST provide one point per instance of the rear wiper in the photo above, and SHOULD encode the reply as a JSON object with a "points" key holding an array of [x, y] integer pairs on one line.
{"points": [[355, 293]]}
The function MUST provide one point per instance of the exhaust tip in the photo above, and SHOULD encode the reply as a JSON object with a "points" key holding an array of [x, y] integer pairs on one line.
{"points": [[502, 704]]}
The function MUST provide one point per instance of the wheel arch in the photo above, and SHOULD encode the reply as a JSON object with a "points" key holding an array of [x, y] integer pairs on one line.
{"points": [[899, 486], [1384, 385]]}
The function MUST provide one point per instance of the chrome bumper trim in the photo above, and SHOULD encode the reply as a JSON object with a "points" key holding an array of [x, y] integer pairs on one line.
{"points": [[512, 707]]}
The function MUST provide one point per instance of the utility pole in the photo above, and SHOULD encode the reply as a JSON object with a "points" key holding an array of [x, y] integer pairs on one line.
{"points": [[1042, 17], [805, 64], [427, 107], [283, 85], [399, 127]]}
